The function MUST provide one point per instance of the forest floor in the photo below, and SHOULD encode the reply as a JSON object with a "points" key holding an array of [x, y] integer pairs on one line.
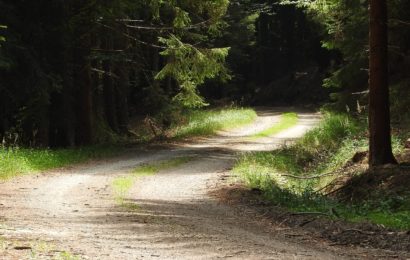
{"points": [[177, 213]]}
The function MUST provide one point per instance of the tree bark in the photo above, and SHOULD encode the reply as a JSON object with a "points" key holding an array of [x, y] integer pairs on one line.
{"points": [[122, 71], [380, 149], [109, 88], [83, 80]]}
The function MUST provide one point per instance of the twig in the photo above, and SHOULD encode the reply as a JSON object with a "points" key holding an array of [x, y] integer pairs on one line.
{"points": [[307, 222], [400, 21], [357, 230], [311, 213], [309, 177], [334, 191]]}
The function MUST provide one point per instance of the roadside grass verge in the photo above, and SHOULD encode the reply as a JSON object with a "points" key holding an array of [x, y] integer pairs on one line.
{"points": [[122, 185], [296, 177], [207, 122], [287, 120], [15, 161], [18, 161]]}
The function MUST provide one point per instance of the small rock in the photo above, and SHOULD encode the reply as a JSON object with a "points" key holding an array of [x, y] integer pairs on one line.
{"points": [[22, 247]]}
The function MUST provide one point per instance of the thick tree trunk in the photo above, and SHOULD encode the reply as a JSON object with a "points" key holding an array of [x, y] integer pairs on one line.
{"points": [[380, 150], [85, 114], [122, 97], [123, 82]]}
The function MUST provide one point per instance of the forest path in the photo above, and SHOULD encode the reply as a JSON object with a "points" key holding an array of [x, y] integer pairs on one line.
{"points": [[172, 217]]}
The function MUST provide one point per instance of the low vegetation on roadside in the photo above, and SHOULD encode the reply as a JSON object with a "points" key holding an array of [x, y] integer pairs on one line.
{"points": [[307, 176], [16, 161]]}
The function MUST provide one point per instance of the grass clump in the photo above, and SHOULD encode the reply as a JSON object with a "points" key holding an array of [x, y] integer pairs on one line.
{"points": [[151, 169], [287, 120], [318, 157], [18, 161], [209, 121], [122, 185]]}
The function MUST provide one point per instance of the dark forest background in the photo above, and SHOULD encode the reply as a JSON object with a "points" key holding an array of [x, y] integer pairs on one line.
{"points": [[74, 72]]}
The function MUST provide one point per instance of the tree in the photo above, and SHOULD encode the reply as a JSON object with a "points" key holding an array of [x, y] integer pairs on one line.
{"points": [[380, 149]]}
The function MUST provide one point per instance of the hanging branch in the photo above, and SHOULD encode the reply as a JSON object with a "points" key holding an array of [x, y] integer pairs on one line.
{"points": [[400, 22], [169, 28], [133, 38]]}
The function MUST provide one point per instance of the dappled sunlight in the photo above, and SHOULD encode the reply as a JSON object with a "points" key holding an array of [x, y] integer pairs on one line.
{"points": [[241, 139], [167, 213]]}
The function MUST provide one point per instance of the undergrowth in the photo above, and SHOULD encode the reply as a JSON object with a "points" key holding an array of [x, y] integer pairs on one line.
{"points": [[207, 122], [17, 161], [319, 157]]}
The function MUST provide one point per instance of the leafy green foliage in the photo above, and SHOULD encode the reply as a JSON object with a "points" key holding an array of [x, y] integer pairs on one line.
{"points": [[345, 25], [2, 38], [190, 67], [95, 62]]}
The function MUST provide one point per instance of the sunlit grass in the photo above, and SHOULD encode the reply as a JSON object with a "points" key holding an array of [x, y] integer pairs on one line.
{"points": [[287, 120], [19, 161], [65, 255], [207, 122], [322, 150], [122, 186]]}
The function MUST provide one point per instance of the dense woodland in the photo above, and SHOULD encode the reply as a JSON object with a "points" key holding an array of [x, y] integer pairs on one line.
{"points": [[312, 97], [74, 72]]}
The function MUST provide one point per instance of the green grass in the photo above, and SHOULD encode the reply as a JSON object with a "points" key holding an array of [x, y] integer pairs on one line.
{"points": [[287, 120], [207, 122], [122, 185], [67, 256], [323, 150], [19, 161]]}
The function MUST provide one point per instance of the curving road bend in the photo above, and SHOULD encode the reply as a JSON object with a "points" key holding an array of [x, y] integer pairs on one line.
{"points": [[74, 210]]}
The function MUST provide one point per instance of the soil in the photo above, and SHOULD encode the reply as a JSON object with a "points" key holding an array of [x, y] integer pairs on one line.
{"points": [[366, 240], [180, 213]]}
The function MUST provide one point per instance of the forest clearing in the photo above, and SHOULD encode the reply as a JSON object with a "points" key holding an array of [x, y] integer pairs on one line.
{"points": [[244, 129]]}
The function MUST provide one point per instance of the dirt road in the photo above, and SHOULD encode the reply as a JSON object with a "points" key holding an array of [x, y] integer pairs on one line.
{"points": [[72, 213]]}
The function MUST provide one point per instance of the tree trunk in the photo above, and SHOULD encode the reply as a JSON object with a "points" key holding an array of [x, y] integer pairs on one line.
{"points": [[109, 89], [123, 82], [380, 150], [84, 131], [122, 97]]}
